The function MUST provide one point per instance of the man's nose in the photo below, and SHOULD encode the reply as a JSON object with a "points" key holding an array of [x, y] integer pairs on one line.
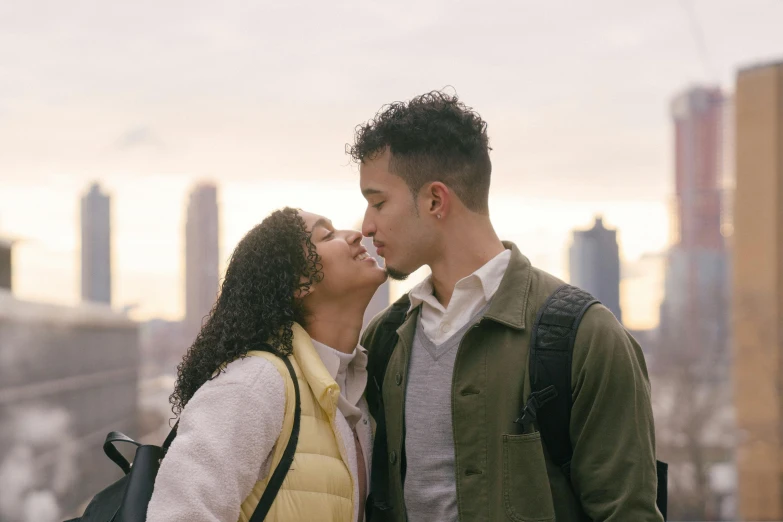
{"points": [[368, 227]]}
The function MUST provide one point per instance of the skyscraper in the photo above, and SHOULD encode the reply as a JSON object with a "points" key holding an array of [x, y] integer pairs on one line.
{"points": [[758, 291], [698, 148], [694, 312], [6, 259], [594, 264], [201, 256], [96, 245]]}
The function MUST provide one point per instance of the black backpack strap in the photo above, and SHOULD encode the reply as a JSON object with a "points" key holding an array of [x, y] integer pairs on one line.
{"points": [[551, 349], [662, 496], [549, 405], [170, 438], [276, 481], [376, 370], [114, 454]]}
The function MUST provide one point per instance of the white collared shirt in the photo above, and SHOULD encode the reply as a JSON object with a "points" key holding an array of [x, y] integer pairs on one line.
{"points": [[349, 371], [470, 294]]}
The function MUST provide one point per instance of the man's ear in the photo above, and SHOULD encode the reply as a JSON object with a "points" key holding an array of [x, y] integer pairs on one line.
{"points": [[439, 197]]}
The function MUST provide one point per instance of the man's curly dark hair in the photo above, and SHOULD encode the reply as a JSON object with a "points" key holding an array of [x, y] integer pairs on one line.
{"points": [[256, 307], [433, 137]]}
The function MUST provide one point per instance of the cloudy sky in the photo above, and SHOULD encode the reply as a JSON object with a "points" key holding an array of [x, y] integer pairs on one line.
{"points": [[150, 96]]}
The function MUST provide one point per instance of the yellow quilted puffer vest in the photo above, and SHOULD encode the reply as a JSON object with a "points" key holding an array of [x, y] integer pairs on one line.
{"points": [[319, 485]]}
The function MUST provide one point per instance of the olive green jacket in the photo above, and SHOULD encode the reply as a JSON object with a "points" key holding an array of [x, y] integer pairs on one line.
{"points": [[502, 474]]}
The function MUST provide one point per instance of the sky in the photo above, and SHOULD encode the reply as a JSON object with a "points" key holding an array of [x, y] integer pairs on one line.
{"points": [[150, 97]]}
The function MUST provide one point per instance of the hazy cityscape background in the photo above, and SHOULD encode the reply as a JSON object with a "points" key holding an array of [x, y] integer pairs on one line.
{"points": [[140, 142]]}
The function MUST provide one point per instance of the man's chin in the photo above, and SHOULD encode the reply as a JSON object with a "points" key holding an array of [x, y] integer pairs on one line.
{"points": [[396, 275]]}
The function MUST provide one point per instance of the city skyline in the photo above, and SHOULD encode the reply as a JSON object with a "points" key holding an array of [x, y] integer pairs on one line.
{"points": [[636, 150], [182, 96], [154, 290]]}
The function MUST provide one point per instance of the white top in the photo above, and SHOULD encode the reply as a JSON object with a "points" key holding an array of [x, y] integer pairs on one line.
{"points": [[470, 294], [227, 432], [349, 370]]}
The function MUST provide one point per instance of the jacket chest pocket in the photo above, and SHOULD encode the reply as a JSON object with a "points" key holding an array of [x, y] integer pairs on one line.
{"points": [[526, 493]]}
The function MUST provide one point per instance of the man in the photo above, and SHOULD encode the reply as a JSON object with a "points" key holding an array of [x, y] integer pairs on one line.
{"points": [[447, 445]]}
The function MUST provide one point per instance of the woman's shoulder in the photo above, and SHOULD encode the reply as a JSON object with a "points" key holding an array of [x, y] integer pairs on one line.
{"points": [[249, 380], [256, 373]]}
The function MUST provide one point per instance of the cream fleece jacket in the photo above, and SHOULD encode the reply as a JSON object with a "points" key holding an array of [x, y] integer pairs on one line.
{"points": [[224, 442]]}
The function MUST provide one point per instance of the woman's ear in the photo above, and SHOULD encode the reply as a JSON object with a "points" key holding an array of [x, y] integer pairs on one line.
{"points": [[304, 289]]}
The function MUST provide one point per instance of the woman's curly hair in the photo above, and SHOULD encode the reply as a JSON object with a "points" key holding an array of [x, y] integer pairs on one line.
{"points": [[256, 307]]}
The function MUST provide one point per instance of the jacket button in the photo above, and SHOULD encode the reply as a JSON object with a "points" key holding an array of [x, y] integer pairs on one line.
{"points": [[398, 378], [393, 457]]}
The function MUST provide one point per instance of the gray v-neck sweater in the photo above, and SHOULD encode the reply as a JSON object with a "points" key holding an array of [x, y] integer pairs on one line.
{"points": [[430, 485]]}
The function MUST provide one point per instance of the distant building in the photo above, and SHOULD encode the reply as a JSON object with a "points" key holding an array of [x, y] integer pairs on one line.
{"points": [[697, 303], [381, 299], [162, 344], [699, 152], [202, 256], [758, 291], [6, 268], [96, 246], [697, 298], [595, 264], [68, 376]]}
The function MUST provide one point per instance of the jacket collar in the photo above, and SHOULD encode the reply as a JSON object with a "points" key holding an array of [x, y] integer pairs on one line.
{"points": [[324, 388], [487, 278], [509, 306]]}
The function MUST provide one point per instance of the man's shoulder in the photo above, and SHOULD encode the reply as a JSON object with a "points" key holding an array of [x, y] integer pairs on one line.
{"points": [[542, 285], [545, 281], [601, 332], [524, 277], [598, 319]]}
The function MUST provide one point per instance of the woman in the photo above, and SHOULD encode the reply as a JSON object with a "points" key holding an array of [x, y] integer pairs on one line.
{"points": [[299, 288]]}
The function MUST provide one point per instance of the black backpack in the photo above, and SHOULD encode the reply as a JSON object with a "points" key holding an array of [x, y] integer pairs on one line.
{"points": [[126, 500], [549, 405]]}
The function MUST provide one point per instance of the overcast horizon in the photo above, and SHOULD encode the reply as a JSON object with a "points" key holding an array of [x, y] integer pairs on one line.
{"points": [[148, 98]]}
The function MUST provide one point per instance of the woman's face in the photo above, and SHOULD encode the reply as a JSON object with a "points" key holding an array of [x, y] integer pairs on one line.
{"points": [[347, 267]]}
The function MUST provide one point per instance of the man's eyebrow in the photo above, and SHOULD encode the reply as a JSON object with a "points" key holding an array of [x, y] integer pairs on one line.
{"points": [[370, 192]]}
